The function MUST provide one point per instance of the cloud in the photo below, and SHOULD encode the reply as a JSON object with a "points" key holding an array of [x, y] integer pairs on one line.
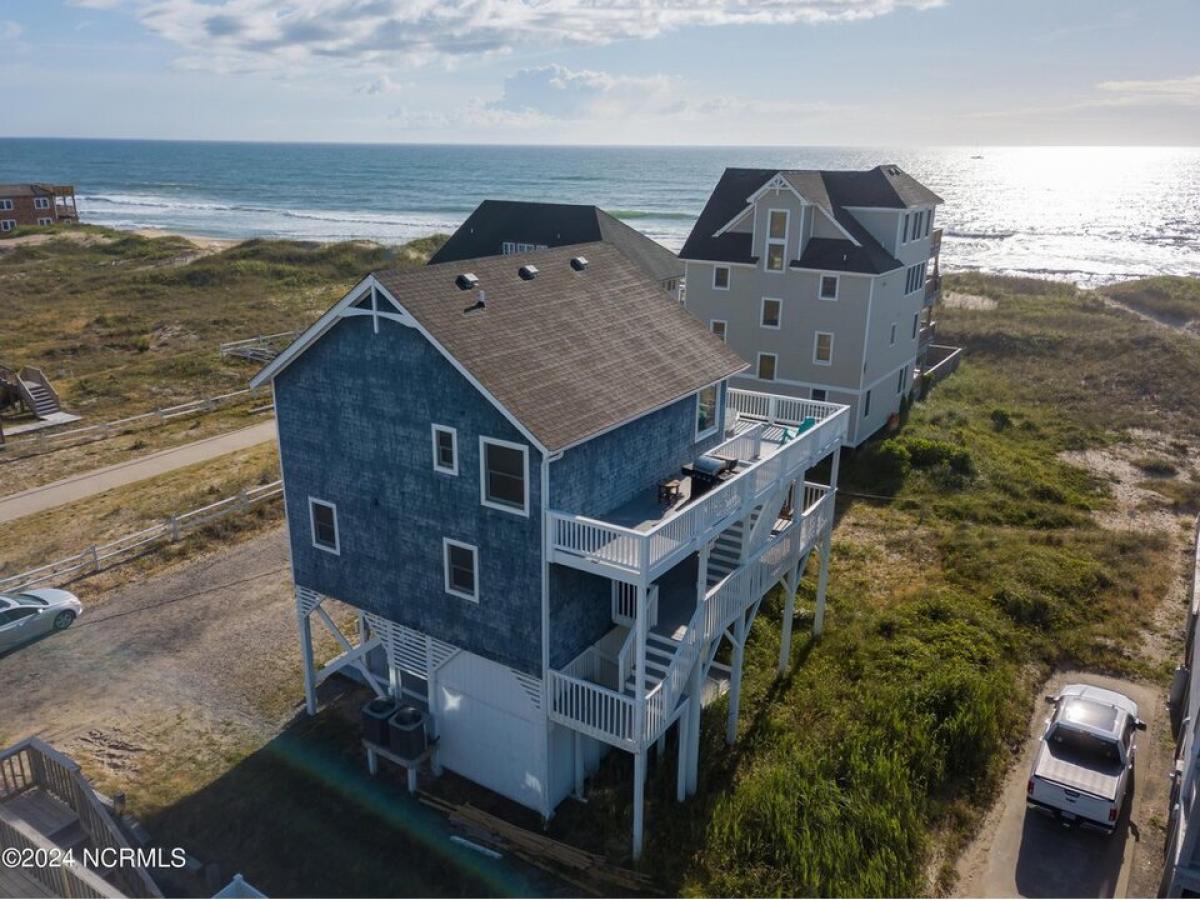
{"points": [[383, 85], [1165, 91], [10, 30], [97, 4], [258, 34], [558, 92]]}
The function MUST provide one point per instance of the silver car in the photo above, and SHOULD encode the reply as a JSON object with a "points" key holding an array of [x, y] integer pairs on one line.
{"points": [[34, 612]]}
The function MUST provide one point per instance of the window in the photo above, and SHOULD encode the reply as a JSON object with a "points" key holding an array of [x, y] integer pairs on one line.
{"points": [[928, 222], [8, 224], [42, 221], [867, 405], [766, 366], [829, 287], [6, 205], [914, 278], [507, 248], [771, 310], [916, 321], [721, 278], [706, 411], [445, 449], [15, 615], [719, 327], [904, 239], [41, 202], [819, 394], [461, 562], [823, 348], [503, 475], [777, 224], [323, 519], [900, 381], [892, 339]]}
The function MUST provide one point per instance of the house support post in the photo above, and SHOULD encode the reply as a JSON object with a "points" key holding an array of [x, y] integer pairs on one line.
{"points": [[639, 800], [579, 770], [695, 689], [822, 582], [681, 763], [304, 627], [735, 683], [791, 583]]}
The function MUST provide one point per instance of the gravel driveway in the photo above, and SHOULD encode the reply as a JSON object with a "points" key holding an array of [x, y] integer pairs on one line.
{"points": [[164, 676], [1025, 854]]}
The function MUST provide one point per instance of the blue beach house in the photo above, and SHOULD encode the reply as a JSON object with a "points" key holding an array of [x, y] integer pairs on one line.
{"points": [[529, 476]]}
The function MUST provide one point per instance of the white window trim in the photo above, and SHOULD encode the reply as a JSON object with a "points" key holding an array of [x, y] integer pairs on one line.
{"points": [[483, 498], [6, 205], [769, 241], [762, 313], [45, 220], [724, 335], [437, 467], [716, 425], [41, 202], [758, 366], [837, 287], [817, 343], [728, 278], [447, 543], [336, 549], [8, 224]]}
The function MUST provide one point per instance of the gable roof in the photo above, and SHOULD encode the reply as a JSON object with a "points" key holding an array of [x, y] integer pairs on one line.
{"points": [[568, 354], [25, 190], [555, 225], [885, 186]]}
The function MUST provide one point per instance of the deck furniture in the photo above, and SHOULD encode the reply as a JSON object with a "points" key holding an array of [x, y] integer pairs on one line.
{"points": [[669, 490]]}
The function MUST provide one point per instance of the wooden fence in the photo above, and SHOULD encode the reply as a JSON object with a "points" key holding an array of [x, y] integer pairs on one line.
{"points": [[42, 441], [171, 529]]}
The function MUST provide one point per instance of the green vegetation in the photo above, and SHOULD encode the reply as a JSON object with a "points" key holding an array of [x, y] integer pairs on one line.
{"points": [[1172, 299], [123, 324], [981, 571]]}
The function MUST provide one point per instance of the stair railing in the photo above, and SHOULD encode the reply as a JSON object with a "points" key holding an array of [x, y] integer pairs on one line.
{"points": [[37, 376]]}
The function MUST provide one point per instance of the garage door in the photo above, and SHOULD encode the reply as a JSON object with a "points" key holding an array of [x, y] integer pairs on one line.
{"points": [[490, 730]]}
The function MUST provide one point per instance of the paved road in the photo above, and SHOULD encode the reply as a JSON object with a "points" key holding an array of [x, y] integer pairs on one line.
{"points": [[77, 487], [1020, 854]]}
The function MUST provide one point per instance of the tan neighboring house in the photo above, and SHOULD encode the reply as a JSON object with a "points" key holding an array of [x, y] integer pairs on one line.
{"points": [[822, 281], [36, 204]]}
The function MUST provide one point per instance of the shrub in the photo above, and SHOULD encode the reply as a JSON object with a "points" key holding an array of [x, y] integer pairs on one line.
{"points": [[927, 453], [1156, 466], [1001, 419], [890, 461]]}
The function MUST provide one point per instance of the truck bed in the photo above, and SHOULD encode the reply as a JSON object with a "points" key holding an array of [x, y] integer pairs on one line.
{"points": [[1060, 766]]}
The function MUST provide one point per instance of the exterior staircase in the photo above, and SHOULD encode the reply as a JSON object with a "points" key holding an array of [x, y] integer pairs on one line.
{"points": [[31, 389], [726, 552], [660, 650], [45, 404]]}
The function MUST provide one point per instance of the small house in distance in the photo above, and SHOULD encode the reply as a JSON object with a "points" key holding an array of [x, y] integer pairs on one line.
{"points": [[36, 204], [504, 227], [530, 477]]}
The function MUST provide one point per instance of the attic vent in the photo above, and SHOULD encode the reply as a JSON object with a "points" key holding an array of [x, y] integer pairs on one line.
{"points": [[579, 263], [466, 281], [528, 272]]}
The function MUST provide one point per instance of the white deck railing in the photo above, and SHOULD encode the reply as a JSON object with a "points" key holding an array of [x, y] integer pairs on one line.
{"points": [[587, 706], [603, 546]]}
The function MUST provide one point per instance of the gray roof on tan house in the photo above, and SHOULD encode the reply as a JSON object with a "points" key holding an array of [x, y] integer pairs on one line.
{"points": [[555, 225], [569, 353], [885, 186]]}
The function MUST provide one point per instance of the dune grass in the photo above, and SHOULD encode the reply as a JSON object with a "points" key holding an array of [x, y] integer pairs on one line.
{"points": [[981, 571], [1170, 298]]}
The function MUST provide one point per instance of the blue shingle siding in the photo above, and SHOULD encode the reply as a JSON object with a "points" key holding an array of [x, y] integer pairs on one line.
{"points": [[598, 476], [609, 470], [355, 415]]}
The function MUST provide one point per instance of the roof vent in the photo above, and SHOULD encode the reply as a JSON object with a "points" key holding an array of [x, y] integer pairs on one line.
{"points": [[579, 263], [528, 272], [466, 281], [480, 303]]}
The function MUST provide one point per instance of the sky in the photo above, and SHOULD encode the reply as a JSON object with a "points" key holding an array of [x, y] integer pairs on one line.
{"points": [[737, 72]]}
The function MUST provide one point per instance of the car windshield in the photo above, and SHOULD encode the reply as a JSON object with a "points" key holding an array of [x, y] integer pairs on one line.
{"points": [[1082, 748], [28, 600]]}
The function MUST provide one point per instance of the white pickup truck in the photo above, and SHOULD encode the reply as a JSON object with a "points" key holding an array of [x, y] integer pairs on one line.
{"points": [[1084, 766]]}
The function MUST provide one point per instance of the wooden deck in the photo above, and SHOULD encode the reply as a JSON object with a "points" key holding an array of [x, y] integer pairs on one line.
{"points": [[16, 883]]}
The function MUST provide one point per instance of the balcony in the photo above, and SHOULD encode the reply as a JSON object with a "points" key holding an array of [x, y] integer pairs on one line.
{"points": [[926, 335], [933, 289], [774, 440], [935, 243], [596, 694]]}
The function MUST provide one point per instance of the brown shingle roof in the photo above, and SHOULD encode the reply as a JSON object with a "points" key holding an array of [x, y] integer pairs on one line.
{"points": [[570, 353]]}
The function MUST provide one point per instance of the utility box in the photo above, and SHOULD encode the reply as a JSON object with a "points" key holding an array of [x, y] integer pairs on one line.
{"points": [[375, 717], [407, 728]]}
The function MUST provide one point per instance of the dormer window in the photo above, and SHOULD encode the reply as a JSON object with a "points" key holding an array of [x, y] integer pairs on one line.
{"points": [[777, 225]]}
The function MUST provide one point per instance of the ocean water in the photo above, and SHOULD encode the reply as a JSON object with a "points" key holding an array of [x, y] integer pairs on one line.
{"points": [[1090, 215]]}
